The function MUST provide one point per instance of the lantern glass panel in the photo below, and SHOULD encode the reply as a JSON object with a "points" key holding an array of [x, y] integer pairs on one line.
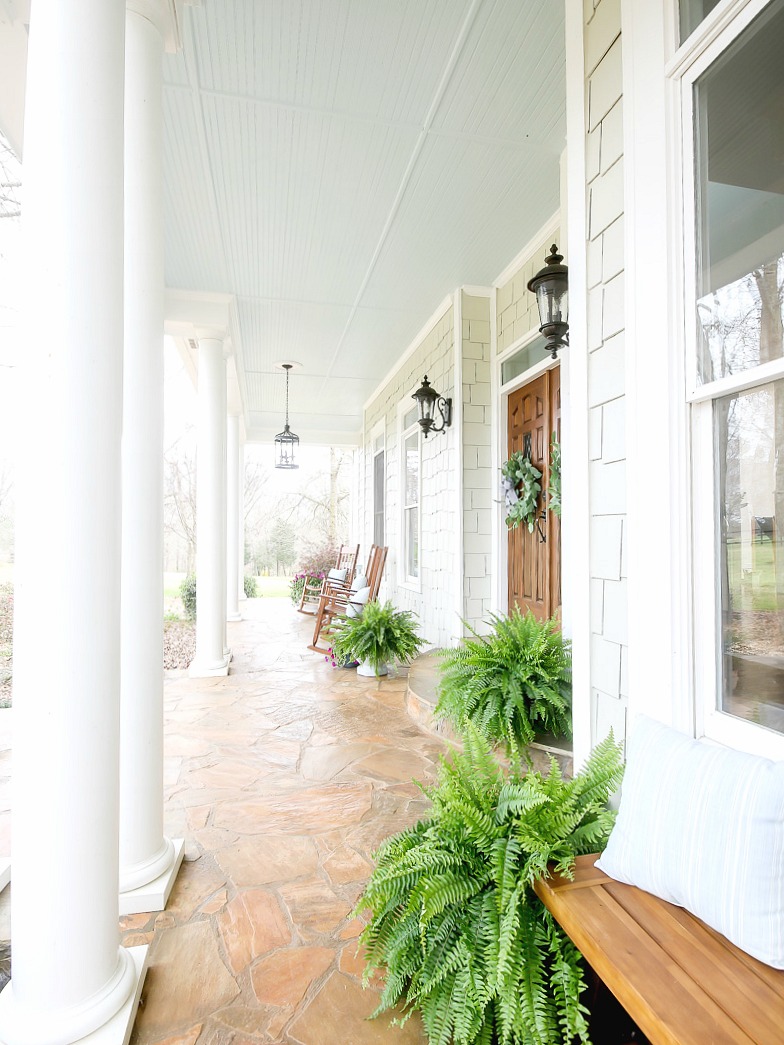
{"points": [[553, 302]]}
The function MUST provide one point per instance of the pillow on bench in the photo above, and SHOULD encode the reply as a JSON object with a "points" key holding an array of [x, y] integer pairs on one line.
{"points": [[702, 826]]}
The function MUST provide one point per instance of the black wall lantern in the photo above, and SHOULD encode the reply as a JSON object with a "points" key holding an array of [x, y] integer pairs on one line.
{"points": [[286, 441], [427, 400], [551, 286]]}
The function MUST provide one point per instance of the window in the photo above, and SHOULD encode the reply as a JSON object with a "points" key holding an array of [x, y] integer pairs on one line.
{"points": [[379, 489], [737, 377], [411, 459], [692, 13]]}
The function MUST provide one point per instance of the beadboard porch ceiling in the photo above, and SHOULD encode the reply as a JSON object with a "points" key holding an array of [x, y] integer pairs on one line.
{"points": [[335, 168]]}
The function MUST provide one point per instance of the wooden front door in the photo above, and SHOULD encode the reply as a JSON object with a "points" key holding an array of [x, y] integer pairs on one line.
{"points": [[534, 561]]}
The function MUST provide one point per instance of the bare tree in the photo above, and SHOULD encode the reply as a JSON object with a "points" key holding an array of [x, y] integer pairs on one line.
{"points": [[10, 182], [179, 500]]}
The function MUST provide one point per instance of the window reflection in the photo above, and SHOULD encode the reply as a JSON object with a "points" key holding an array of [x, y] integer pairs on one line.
{"points": [[748, 430]]}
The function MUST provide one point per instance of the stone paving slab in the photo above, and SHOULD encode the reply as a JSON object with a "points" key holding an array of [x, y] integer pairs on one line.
{"points": [[283, 778]]}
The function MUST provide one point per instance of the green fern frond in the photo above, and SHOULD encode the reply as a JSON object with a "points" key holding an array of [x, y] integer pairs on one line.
{"points": [[454, 920], [510, 683]]}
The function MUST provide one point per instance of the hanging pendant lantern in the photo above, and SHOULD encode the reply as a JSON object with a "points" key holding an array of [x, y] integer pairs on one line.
{"points": [[286, 441]]}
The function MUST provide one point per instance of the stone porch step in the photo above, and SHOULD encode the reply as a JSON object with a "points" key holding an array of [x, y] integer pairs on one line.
{"points": [[421, 700]]}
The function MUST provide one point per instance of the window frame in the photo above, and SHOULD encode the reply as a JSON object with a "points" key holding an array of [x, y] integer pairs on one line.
{"points": [[705, 45], [405, 579]]}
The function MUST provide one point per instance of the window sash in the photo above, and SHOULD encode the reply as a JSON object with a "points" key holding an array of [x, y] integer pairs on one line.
{"points": [[710, 720]]}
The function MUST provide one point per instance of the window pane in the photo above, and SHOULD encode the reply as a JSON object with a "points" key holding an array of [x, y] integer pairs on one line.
{"points": [[412, 468], [410, 418], [692, 13], [740, 198], [749, 437], [524, 359], [412, 542], [379, 479]]}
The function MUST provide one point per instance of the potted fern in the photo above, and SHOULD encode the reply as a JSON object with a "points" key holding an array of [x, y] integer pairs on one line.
{"points": [[511, 684], [378, 635], [454, 920]]}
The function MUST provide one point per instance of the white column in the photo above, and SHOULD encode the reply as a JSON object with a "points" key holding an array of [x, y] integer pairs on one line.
{"points": [[232, 516], [148, 860], [210, 658], [70, 974], [241, 525]]}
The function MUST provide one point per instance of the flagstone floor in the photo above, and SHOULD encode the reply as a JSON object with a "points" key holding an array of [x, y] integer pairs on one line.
{"points": [[283, 778]]}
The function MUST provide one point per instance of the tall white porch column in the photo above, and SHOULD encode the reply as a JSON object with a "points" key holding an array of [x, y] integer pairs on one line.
{"points": [[70, 975], [210, 658], [241, 525], [233, 480], [148, 860]]}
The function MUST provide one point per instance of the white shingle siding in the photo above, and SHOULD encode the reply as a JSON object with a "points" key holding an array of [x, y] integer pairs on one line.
{"points": [[606, 364], [435, 602]]}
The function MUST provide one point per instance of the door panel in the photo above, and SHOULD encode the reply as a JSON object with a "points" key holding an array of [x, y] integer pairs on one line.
{"points": [[533, 564]]}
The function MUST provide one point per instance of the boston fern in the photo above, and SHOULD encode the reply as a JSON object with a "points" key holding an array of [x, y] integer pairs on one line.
{"points": [[511, 683], [454, 920], [379, 634]]}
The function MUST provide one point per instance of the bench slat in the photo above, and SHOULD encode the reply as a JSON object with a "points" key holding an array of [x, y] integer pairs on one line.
{"points": [[682, 982], [735, 981]]}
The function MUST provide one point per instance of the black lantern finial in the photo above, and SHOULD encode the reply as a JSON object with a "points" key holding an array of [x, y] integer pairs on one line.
{"points": [[286, 441], [551, 286], [427, 400]]}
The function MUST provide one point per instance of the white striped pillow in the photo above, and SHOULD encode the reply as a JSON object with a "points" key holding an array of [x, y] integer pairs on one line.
{"points": [[703, 827]]}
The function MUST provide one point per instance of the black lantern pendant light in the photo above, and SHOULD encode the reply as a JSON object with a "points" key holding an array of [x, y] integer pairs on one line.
{"points": [[427, 400], [551, 286], [286, 442]]}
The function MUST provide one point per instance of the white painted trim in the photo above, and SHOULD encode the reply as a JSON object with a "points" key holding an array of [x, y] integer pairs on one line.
{"points": [[738, 382], [457, 425], [530, 374], [438, 315], [708, 31], [651, 505], [497, 545], [550, 227], [477, 291], [576, 521], [521, 342]]}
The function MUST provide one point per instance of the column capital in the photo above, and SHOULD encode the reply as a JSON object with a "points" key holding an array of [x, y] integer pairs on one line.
{"points": [[166, 16]]}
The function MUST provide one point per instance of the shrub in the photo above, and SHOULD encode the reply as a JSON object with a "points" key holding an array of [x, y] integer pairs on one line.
{"points": [[511, 683], [454, 920], [251, 587], [318, 559], [188, 596]]}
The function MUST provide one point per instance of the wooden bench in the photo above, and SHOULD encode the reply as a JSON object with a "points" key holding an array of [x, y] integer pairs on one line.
{"points": [[682, 982]]}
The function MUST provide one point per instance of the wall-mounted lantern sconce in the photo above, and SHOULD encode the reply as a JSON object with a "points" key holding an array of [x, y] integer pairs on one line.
{"points": [[286, 442], [551, 286], [427, 400]]}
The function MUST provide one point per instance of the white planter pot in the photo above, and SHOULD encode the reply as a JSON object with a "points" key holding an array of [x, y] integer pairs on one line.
{"points": [[366, 669]]}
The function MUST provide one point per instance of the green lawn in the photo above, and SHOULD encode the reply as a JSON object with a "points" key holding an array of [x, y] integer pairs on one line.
{"points": [[268, 587], [756, 589]]}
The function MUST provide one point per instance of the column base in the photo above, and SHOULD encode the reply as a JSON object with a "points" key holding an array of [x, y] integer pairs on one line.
{"points": [[53, 1029], [210, 669], [118, 1030], [233, 617], [155, 894], [5, 872]]}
